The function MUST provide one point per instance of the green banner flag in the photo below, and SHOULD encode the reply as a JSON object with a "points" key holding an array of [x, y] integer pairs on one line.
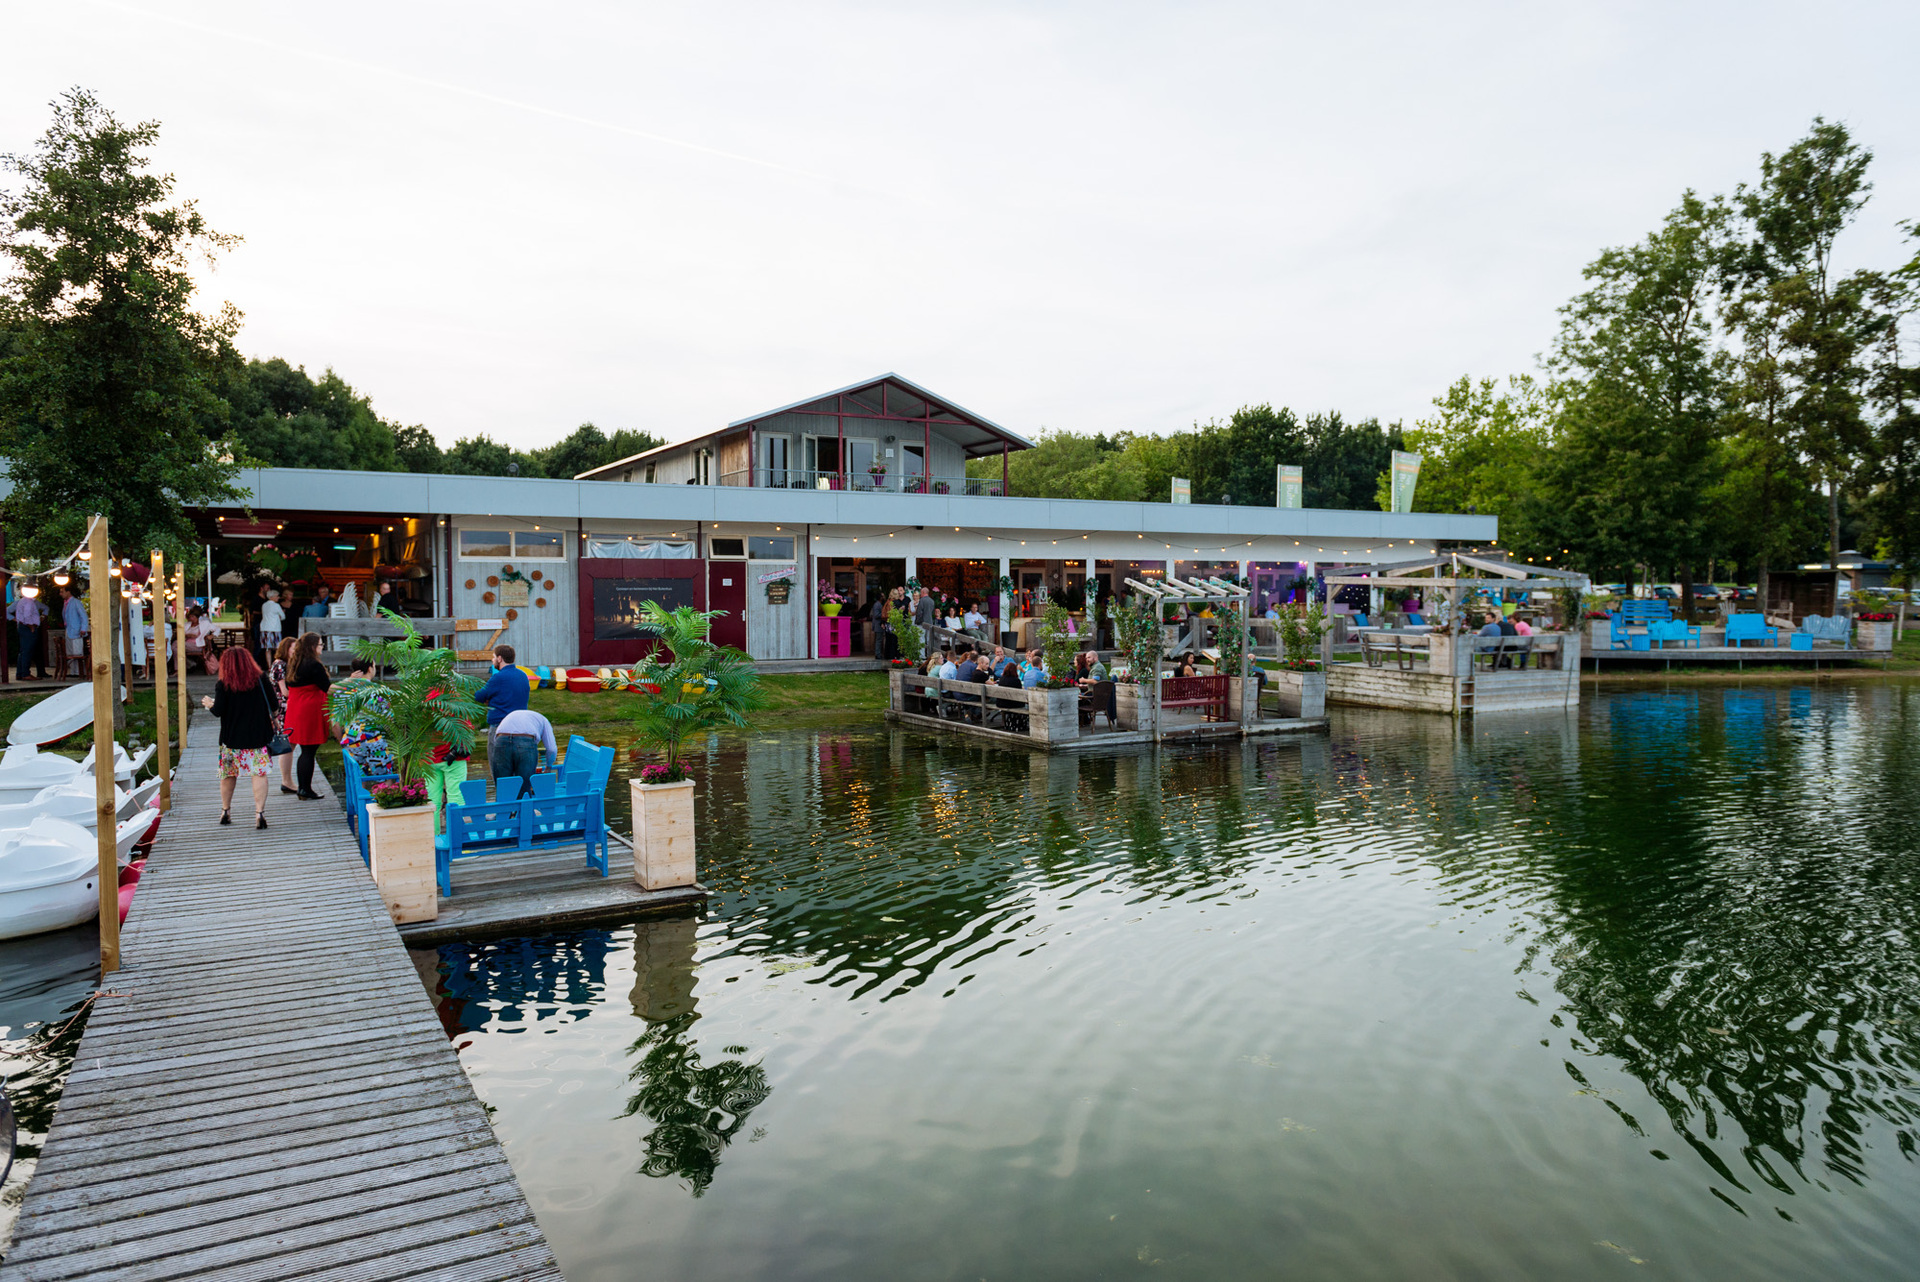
{"points": [[1182, 490], [1289, 486], [1406, 474]]}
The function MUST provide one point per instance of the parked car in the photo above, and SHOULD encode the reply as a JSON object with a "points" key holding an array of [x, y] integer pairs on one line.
{"points": [[1706, 591], [1665, 593], [1742, 594]]}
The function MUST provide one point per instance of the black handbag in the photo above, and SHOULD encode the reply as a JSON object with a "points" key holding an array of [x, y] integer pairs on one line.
{"points": [[281, 745]]}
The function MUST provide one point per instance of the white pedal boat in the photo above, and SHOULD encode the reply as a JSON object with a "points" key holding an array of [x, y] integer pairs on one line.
{"points": [[49, 873], [75, 802], [25, 770]]}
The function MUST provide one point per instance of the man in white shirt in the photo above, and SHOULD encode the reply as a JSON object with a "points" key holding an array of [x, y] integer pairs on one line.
{"points": [[273, 621], [976, 623], [517, 741]]}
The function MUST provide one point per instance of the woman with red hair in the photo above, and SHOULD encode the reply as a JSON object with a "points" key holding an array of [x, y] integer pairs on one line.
{"points": [[245, 708]]}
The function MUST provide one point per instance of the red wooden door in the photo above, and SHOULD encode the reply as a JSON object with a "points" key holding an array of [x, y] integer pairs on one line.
{"points": [[727, 590]]}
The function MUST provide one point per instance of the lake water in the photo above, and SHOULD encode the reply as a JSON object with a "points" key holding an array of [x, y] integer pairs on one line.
{"points": [[1632, 993]]}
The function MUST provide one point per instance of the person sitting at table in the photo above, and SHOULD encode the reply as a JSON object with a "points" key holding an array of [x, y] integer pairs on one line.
{"points": [[1091, 669], [975, 622], [1001, 662], [965, 669], [1187, 668], [946, 667], [1034, 670], [1010, 675]]}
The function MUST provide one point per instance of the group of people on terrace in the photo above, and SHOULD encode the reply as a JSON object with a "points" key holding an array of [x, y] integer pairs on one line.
{"points": [[1002, 667]]}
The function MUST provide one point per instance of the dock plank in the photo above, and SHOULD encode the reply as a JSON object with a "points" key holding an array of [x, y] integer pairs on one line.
{"points": [[264, 1091]]}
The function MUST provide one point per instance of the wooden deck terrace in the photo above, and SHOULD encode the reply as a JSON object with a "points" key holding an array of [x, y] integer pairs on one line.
{"points": [[264, 1090], [1738, 656]]}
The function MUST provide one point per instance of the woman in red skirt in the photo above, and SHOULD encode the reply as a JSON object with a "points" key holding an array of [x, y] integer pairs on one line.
{"points": [[307, 686]]}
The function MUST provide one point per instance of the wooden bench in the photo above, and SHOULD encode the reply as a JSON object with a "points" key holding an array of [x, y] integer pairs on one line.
{"points": [[1376, 646], [1209, 693]]}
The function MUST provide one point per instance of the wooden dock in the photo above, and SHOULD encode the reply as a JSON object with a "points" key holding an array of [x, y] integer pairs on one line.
{"points": [[264, 1091]]}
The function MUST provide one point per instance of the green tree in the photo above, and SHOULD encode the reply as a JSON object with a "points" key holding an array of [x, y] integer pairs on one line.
{"points": [[1892, 506], [417, 451], [483, 456], [108, 399], [1640, 402], [1479, 452], [283, 418], [1343, 461], [587, 447], [1805, 198]]}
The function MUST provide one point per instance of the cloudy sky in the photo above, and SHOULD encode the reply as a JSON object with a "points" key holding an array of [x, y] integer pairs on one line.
{"points": [[513, 218]]}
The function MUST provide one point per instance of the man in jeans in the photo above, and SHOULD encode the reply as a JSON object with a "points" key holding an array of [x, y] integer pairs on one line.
{"points": [[26, 614], [505, 691], [516, 751]]}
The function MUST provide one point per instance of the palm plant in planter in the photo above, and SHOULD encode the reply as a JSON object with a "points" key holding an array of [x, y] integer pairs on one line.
{"points": [[692, 686], [424, 704]]}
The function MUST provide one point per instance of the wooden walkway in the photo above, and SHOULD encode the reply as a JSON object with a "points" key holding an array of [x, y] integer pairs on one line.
{"points": [[264, 1091]]}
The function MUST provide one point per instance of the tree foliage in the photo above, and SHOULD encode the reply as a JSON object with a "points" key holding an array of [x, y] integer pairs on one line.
{"points": [[108, 373]]}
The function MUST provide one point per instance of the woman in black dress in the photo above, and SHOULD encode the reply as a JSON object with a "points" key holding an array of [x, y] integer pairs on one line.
{"points": [[245, 707]]}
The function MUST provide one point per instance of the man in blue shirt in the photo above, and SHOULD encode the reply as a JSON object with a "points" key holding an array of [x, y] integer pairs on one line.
{"points": [[73, 616], [317, 609], [1033, 671], [505, 691]]}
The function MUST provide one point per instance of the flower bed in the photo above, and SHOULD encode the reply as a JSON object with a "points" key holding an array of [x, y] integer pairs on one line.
{"points": [[397, 796]]}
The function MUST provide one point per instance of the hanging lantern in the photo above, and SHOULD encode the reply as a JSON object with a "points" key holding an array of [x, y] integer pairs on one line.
{"points": [[60, 578], [30, 590]]}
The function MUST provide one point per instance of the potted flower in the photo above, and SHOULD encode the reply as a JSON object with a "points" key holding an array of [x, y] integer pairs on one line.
{"points": [[830, 601], [1876, 630], [423, 705], [1300, 681], [698, 687]]}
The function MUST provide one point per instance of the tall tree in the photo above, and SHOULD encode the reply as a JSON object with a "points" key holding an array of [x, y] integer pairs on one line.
{"points": [[283, 418], [1478, 454], [1806, 196], [1893, 503], [1342, 461], [1640, 402], [108, 396]]}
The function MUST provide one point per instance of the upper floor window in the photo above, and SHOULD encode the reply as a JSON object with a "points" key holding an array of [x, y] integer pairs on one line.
{"points": [[513, 545]]}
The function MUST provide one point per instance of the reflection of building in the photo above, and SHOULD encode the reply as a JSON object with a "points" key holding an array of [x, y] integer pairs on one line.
{"points": [[863, 489]]}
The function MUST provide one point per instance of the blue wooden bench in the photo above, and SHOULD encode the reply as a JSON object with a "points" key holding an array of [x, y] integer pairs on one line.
{"points": [[567, 807], [355, 796], [1742, 628], [1837, 630]]}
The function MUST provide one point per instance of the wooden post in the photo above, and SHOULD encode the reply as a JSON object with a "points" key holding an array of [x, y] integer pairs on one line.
{"points": [[162, 687], [101, 584], [180, 601]]}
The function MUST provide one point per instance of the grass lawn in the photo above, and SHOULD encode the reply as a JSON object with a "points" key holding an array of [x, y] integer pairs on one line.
{"points": [[140, 721], [793, 699]]}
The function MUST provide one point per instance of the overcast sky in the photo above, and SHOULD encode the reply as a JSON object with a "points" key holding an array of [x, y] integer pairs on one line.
{"points": [[513, 218]]}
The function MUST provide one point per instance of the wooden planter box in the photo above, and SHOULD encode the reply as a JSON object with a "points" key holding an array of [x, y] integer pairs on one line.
{"points": [[1876, 636], [1302, 694], [400, 855], [1053, 716], [1134, 706], [663, 834]]}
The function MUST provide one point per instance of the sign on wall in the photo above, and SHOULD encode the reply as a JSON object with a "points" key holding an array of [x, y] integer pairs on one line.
{"points": [[1406, 474], [1289, 486], [1182, 490]]}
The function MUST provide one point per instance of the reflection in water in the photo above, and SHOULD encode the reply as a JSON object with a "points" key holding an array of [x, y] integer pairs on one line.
{"points": [[1708, 898]]}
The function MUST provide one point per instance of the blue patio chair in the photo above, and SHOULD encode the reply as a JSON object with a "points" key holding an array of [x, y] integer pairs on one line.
{"points": [[1742, 628]]}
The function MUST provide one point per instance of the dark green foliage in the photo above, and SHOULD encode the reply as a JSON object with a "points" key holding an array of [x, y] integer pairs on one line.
{"points": [[283, 418], [696, 1108], [108, 375], [483, 456], [587, 447]]}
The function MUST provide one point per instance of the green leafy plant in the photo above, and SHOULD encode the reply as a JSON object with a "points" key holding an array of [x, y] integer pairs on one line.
{"points": [[1057, 646], [1231, 639], [1300, 629], [906, 634], [424, 704], [1136, 626], [701, 686]]}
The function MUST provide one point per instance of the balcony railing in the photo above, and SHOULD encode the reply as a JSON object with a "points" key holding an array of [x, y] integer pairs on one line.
{"points": [[794, 478]]}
